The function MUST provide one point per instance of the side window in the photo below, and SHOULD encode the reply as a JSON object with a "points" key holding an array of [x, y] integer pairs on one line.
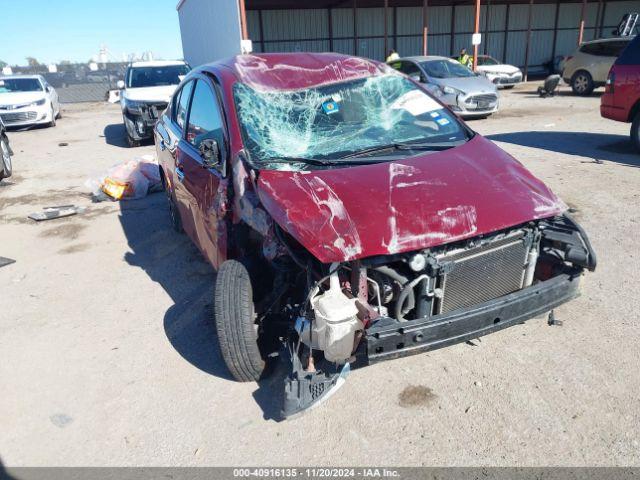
{"points": [[411, 69], [592, 49], [181, 105], [205, 120]]}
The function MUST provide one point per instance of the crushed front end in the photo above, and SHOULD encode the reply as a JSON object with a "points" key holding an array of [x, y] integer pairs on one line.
{"points": [[380, 308]]}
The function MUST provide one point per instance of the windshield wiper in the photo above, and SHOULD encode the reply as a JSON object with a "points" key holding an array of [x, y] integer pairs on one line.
{"points": [[403, 146]]}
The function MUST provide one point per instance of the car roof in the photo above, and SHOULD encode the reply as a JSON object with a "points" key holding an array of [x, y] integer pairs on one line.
{"points": [[292, 71], [423, 58], [6, 77], [611, 39], [158, 63]]}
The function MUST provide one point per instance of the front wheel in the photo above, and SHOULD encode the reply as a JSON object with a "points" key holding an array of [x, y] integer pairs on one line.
{"points": [[635, 131], [235, 322], [5, 171], [582, 83], [52, 123]]}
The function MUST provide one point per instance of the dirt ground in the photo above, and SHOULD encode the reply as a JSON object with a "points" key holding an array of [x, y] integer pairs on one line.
{"points": [[109, 354]]}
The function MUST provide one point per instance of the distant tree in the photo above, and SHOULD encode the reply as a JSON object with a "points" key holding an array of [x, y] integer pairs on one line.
{"points": [[32, 62], [65, 62], [3, 64]]}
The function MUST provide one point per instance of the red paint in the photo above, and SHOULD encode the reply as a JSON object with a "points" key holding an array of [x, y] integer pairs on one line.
{"points": [[435, 199], [622, 93], [352, 212]]}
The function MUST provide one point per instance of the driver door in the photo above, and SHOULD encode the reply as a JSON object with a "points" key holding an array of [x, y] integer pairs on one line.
{"points": [[202, 178]]}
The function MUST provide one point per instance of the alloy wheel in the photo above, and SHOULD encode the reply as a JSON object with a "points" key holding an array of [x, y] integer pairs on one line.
{"points": [[6, 157]]}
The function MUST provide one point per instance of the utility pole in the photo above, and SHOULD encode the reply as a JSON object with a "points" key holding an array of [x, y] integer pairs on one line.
{"points": [[477, 33]]}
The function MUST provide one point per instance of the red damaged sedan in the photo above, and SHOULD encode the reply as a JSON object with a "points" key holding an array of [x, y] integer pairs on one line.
{"points": [[352, 218]]}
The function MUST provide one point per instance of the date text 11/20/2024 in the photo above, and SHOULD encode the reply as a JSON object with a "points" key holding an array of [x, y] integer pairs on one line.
{"points": [[316, 472]]}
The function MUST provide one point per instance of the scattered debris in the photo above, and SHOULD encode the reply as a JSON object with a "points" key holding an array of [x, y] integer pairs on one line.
{"points": [[60, 420], [552, 320], [129, 180], [49, 213], [4, 261], [63, 144]]}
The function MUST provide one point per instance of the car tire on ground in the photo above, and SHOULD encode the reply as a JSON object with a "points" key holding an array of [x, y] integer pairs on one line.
{"points": [[508, 87], [52, 123], [635, 131], [235, 322], [5, 167], [59, 115], [176, 221], [582, 83]]}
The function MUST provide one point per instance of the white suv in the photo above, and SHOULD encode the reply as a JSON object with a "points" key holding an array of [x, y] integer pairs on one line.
{"points": [[146, 90], [589, 66]]}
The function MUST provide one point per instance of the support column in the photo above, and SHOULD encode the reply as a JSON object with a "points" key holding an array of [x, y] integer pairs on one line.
{"points": [[425, 26], [604, 11], [477, 30], [330, 19], [555, 31], [355, 28], [386, 21], [486, 27], [243, 20], [453, 28], [506, 35], [526, 53], [582, 13]]}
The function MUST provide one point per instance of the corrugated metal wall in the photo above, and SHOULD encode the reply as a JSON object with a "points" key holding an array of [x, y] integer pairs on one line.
{"points": [[504, 29]]}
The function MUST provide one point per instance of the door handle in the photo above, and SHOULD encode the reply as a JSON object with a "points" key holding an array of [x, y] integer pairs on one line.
{"points": [[180, 174]]}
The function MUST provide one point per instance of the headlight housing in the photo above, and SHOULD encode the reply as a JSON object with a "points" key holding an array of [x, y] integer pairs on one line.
{"points": [[132, 106], [38, 103], [450, 90]]}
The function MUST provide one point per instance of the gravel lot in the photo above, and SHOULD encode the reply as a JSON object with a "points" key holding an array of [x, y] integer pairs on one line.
{"points": [[109, 355]]}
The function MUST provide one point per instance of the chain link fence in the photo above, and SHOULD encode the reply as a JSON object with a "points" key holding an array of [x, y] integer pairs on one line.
{"points": [[79, 82]]}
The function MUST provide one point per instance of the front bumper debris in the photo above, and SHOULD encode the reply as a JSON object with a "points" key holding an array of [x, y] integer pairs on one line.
{"points": [[387, 339]]}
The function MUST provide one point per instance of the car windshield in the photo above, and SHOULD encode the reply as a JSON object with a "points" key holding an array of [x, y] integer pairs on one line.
{"points": [[446, 69], [487, 61], [156, 76], [342, 119], [8, 85]]}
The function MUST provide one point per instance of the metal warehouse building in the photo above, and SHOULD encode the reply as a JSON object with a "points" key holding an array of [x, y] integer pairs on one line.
{"points": [[529, 33]]}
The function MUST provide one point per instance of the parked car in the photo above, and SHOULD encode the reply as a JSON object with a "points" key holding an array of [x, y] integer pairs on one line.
{"points": [[353, 218], [28, 100], [588, 67], [6, 152], [503, 75], [465, 92], [145, 93], [621, 99]]}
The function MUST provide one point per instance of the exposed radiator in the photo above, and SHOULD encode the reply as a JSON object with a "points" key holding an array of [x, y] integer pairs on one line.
{"points": [[483, 273]]}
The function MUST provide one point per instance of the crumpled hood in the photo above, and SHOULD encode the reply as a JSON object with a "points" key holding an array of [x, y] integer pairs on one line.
{"points": [[411, 204], [475, 85], [506, 69], [150, 94], [20, 98]]}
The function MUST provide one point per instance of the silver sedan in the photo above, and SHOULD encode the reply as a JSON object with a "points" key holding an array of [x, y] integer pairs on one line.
{"points": [[463, 91]]}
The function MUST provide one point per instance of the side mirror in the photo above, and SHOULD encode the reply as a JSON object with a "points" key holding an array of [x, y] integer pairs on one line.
{"points": [[120, 84], [210, 153], [416, 78]]}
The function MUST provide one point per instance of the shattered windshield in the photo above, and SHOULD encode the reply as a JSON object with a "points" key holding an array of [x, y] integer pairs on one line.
{"points": [[446, 69], [341, 119]]}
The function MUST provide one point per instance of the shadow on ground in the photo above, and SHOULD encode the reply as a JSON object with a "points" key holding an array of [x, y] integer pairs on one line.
{"points": [[563, 92], [173, 261], [116, 135], [598, 146]]}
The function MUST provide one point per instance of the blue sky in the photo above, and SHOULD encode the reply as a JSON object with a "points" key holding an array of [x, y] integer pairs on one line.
{"points": [[54, 30]]}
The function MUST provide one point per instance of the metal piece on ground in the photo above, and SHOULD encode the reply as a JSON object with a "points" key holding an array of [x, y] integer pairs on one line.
{"points": [[4, 261], [50, 213]]}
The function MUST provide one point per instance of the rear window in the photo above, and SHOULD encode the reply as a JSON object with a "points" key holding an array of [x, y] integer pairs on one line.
{"points": [[631, 54]]}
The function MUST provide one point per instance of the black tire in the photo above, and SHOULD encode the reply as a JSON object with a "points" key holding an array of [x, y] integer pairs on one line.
{"points": [[635, 131], [176, 221], [52, 123], [582, 83], [5, 159], [235, 322], [59, 116], [133, 143], [508, 87]]}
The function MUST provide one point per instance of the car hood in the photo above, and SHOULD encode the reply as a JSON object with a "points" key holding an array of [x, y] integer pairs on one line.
{"points": [[20, 98], [411, 204], [468, 85], [150, 94], [508, 69]]}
